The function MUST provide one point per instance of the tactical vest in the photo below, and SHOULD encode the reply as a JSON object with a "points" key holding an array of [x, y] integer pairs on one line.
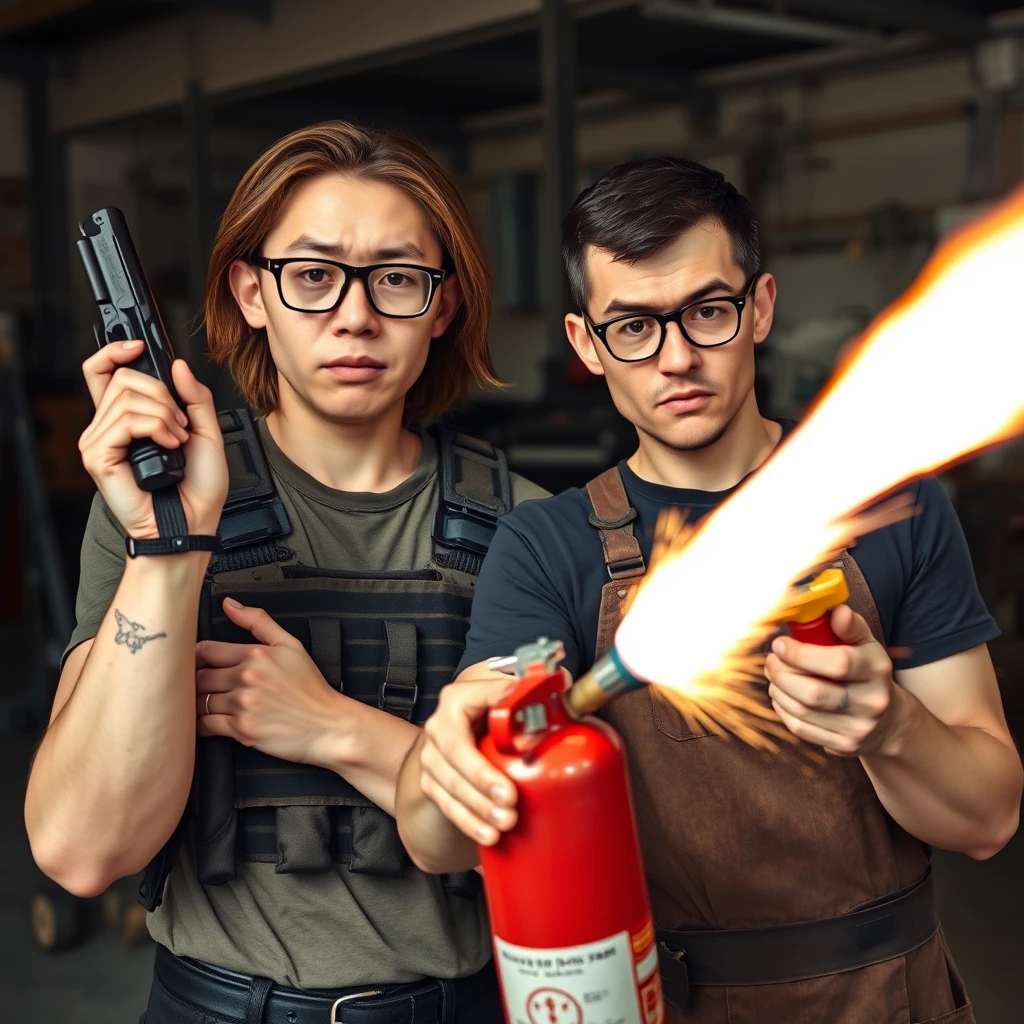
{"points": [[388, 639]]}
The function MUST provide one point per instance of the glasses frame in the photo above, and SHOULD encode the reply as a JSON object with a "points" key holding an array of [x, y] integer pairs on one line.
{"points": [[275, 266], [664, 319]]}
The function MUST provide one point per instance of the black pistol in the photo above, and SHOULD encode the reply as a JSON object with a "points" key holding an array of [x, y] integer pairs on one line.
{"points": [[129, 313]]}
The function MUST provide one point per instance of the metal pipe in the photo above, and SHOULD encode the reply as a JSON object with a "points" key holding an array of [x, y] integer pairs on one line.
{"points": [[798, 65], [735, 19], [558, 86]]}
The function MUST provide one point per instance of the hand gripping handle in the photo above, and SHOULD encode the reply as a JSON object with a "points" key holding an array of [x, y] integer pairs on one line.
{"points": [[529, 712]]}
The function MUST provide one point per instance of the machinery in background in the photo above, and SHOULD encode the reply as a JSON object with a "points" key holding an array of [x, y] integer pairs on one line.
{"points": [[47, 617]]}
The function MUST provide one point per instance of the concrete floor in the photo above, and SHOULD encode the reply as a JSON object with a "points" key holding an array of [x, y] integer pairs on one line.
{"points": [[100, 983]]}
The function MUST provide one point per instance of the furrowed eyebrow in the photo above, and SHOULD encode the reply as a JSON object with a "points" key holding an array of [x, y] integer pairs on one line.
{"points": [[308, 242], [331, 250], [715, 287], [403, 251]]}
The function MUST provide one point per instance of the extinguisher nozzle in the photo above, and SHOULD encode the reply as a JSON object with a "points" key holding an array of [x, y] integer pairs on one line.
{"points": [[607, 679]]}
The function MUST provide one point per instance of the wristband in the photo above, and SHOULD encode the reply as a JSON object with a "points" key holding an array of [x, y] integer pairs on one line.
{"points": [[171, 545]]}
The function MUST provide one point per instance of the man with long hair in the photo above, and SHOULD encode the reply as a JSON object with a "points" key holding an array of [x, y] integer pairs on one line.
{"points": [[348, 295]]}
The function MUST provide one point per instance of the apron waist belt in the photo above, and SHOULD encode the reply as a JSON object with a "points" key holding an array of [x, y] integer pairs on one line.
{"points": [[882, 930]]}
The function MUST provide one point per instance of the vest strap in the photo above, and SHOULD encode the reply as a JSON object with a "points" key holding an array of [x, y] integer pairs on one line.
{"points": [[325, 649], [475, 491], [399, 691], [252, 513]]}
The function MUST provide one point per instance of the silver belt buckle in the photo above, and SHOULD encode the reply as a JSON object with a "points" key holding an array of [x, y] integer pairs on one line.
{"points": [[370, 992]]}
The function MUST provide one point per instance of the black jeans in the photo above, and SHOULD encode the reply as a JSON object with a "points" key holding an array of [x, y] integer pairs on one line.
{"points": [[466, 1001]]}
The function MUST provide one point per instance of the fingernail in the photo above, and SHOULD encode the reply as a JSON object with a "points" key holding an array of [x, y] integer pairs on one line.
{"points": [[779, 645], [499, 793], [181, 417], [131, 344], [182, 433], [233, 603], [499, 816]]}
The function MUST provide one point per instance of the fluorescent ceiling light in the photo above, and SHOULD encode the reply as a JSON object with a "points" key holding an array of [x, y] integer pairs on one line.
{"points": [[786, 26]]}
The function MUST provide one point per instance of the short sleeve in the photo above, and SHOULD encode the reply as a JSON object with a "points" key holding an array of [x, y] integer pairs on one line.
{"points": [[516, 602], [525, 490], [942, 612], [102, 565]]}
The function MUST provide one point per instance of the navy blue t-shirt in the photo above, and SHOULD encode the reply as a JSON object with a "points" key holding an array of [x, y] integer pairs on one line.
{"points": [[545, 569]]}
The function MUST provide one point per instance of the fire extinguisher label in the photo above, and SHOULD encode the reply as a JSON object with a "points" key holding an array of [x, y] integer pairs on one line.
{"points": [[591, 984]]}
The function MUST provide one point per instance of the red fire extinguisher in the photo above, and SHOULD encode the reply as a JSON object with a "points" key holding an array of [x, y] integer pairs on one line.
{"points": [[573, 935]]}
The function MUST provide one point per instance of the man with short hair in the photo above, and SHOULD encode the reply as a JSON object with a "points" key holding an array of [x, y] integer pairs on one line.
{"points": [[664, 262]]}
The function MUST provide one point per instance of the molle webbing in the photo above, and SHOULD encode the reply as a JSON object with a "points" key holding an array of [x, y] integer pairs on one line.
{"points": [[389, 640]]}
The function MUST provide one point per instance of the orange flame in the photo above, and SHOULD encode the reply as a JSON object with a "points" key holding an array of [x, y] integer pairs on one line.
{"points": [[900, 406]]}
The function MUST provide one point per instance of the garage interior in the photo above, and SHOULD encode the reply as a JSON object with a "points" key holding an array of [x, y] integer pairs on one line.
{"points": [[864, 132]]}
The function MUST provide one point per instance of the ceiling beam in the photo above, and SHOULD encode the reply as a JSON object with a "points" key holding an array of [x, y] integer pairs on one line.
{"points": [[948, 19], [521, 72], [21, 14]]}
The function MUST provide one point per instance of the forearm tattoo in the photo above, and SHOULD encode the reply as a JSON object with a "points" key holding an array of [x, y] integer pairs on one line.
{"points": [[130, 633]]}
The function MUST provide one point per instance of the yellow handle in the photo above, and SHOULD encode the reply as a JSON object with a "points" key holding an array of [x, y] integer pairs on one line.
{"points": [[826, 591]]}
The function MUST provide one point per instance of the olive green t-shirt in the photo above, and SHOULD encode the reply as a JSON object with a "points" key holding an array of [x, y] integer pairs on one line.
{"points": [[336, 928]]}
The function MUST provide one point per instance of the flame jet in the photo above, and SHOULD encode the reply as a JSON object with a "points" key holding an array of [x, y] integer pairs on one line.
{"points": [[937, 377]]}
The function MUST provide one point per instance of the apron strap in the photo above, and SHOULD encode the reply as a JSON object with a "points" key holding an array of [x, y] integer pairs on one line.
{"points": [[861, 599], [613, 516]]}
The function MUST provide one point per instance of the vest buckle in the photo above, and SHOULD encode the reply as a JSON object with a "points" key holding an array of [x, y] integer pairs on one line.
{"points": [[398, 698]]}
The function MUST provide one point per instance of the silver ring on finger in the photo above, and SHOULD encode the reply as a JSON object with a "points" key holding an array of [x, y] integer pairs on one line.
{"points": [[844, 701], [208, 703]]}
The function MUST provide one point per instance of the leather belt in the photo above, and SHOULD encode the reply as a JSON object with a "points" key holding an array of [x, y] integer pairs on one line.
{"points": [[230, 995], [881, 930]]}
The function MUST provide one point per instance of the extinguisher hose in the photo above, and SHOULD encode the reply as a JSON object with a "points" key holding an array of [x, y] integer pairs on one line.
{"points": [[607, 679]]}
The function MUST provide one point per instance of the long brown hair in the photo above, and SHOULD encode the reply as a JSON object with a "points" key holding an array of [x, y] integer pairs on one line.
{"points": [[456, 361]]}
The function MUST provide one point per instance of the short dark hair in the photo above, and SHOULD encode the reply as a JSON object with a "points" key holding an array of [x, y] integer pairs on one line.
{"points": [[640, 208]]}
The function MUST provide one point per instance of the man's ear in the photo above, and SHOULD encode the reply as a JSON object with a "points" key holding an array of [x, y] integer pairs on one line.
{"points": [[583, 341], [244, 281], [764, 307], [448, 306]]}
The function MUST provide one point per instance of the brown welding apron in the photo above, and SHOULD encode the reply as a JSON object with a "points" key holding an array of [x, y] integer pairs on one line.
{"points": [[734, 838]]}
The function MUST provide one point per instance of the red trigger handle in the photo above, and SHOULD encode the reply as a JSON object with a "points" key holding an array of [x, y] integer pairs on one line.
{"points": [[817, 631], [503, 723]]}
